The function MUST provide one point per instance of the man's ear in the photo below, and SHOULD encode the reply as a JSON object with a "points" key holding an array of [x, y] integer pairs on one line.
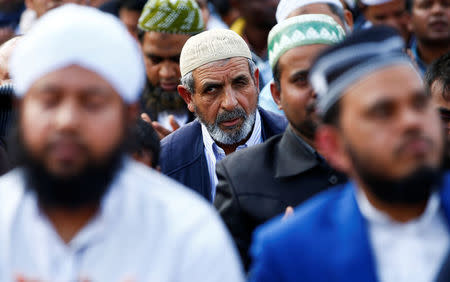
{"points": [[187, 97], [276, 94], [348, 18], [331, 146], [256, 78]]}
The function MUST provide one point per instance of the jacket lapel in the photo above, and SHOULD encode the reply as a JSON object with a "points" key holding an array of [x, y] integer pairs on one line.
{"points": [[271, 124], [199, 154], [354, 252], [291, 157]]}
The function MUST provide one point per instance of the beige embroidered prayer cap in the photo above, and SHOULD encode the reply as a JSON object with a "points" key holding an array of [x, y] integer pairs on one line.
{"points": [[210, 46]]}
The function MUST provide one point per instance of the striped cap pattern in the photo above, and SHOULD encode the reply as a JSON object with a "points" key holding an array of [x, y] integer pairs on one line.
{"points": [[302, 30], [172, 16]]}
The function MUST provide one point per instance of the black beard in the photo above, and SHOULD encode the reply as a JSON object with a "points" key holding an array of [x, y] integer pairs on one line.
{"points": [[414, 188], [73, 192], [309, 126], [155, 100]]}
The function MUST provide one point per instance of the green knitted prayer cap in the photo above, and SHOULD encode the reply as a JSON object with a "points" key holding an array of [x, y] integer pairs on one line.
{"points": [[172, 16], [302, 30]]}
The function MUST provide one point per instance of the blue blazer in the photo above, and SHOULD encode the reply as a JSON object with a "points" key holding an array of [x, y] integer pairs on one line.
{"points": [[326, 240], [183, 158]]}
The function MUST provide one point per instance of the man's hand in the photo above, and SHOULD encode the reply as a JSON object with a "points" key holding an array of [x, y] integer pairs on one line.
{"points": [[161, 130]]}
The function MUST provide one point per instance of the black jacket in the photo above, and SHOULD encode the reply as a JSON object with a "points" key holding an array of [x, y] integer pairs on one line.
{"points": [[183, 158], [258, 183]]}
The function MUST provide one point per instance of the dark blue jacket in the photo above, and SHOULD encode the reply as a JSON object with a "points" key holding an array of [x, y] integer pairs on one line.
{"points": [[183, 158], [326, 240]]}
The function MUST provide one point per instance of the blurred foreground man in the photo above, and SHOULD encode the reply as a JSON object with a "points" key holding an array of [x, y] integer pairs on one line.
{"points": [[391, 223], [77, 209], [286, 169], [287, 9], [220, 85]]}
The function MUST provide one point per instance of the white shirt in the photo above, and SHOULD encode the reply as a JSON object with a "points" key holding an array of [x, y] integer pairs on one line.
{"points": [[411, 251], [149, 228], [214, 153]]}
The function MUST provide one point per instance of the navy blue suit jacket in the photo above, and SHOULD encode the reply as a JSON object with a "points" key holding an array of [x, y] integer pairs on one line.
{"points": [[183, 158], [326, 240]]}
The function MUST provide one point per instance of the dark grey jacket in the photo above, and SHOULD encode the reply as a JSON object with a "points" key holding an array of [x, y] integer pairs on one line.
{"points": [[258, 183]]}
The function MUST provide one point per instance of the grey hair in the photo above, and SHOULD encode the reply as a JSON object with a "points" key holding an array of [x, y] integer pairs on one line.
{"points": [[188, 79]]}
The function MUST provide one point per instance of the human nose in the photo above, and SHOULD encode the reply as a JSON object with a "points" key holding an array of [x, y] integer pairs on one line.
{"points": [[229, 102], [67, 116], [412, 119], [167, 71], [437, 8]]}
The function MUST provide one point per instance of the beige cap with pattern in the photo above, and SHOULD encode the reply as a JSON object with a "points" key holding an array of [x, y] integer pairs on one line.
{"points": [[210, 46]]}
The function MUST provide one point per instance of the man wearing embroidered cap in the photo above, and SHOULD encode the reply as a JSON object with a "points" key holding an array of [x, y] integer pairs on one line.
{"points": [[77, 208], [391, 222], [220, 85], [289, 161], [288, 9], [164, 27]]}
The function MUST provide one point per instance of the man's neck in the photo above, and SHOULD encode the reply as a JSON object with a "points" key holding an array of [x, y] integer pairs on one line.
{"points": [[228, 149], [68, 222], [308, 140], [257, 39], [397, 212], [430, 52]]}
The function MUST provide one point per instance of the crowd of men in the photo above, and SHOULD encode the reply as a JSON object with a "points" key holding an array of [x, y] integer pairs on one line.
{"points": [[225, 140]]}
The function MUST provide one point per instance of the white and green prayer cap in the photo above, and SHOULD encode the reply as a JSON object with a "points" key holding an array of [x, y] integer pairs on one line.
{"points": [[172, 16], [302, 30]]}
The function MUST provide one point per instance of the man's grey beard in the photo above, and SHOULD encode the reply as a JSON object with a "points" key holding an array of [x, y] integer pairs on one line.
{"points": [[235, 135]]}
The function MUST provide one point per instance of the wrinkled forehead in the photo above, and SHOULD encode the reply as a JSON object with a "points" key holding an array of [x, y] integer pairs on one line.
{"points": [[222, 68]]}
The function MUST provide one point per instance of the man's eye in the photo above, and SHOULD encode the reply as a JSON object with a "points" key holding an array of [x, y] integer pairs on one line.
{"points": [[210, 90], [382, 112], [48, 100], [155, 60], [380, 18], [301, 81]]}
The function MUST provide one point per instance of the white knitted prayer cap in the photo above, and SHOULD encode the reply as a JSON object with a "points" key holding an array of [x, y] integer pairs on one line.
{"points": [[210, 46], [83, 36], [285, 7]]}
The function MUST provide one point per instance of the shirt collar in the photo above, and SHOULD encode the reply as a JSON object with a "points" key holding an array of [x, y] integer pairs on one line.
{"points": [[97, 227], [305, 144], [214, 149], [374, 216], [421, 64]]}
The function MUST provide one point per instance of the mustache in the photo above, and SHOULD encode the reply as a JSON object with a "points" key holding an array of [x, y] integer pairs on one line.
{"points": [[413, 137], [311, 107], [230, 115], [71, 139]]}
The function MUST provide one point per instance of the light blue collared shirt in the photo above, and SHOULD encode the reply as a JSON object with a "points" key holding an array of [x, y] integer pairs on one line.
{"points": [[214, 153], [266, 100]]}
